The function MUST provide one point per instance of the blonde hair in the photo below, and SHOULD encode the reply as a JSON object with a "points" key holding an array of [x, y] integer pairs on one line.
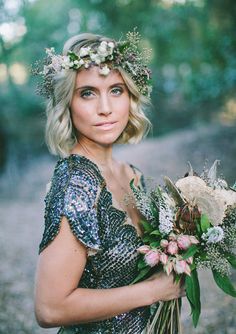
{"points": [[60, 133]]}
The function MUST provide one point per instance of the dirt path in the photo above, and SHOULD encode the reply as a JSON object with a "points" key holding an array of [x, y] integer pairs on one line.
{"points": [[22, 206]]}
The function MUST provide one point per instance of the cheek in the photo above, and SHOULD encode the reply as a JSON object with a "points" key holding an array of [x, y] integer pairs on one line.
{"points": [[124, 109]]}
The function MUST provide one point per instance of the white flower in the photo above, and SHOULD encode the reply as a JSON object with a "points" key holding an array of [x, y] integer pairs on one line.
{"points": [[196, 192], [84, 52], [86, 64], [228, 196], [57, 63], [66, 62], [165, 219], [96, 58], [104, 70], [213, 235], [102, 49], [81, 62], [212, 202], [111, 45]]}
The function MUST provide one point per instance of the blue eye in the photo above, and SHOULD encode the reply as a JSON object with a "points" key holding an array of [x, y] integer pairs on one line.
{"points": [[117, 91], [86, 93]]}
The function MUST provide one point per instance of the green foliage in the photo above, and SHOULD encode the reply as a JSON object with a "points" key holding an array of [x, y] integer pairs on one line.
{"points": [[224, 283], [232, 260], [192, 250], [205, 224], [193, 295]]}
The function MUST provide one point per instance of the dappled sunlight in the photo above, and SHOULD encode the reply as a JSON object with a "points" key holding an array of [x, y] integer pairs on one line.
{"points": [[12, 32], [228, 115]]}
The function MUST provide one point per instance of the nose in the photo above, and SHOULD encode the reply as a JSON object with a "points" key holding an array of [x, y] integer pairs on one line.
{"points": [[104, 107]]}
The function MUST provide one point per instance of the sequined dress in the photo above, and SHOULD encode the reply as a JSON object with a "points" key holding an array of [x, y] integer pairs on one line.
{"points": [[78, 191]]}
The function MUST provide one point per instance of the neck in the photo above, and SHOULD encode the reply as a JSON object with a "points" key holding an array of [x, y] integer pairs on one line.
{"points": [[99, 154]]}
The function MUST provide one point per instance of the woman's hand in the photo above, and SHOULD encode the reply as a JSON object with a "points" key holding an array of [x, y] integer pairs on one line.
{"points": [[163, 287]]}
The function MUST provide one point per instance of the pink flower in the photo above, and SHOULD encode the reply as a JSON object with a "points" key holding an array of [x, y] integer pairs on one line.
{"points": [[163, 258], [181, 267], [164, 243], [168, 267], [143, 249], [152, 258], [172, 247], [172, 236], [193, 240], [184, 241], [189, 260]]}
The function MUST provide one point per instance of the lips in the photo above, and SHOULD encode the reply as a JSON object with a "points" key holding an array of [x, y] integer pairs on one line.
{"points": [[105, 125]]}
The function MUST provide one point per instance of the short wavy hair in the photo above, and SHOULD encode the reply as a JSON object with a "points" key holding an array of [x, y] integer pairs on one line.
{"points": [[60, 133]]}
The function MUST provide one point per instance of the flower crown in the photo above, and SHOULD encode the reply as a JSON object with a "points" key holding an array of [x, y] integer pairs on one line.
{"points": [[107, 55]]}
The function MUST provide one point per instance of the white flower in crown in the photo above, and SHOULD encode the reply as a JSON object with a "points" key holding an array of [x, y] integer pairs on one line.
{"points": [[104, 70], [103, 50], [86, 64], [57, 63], [66, 62], [111, 45], [96, 58], [84, 52]]}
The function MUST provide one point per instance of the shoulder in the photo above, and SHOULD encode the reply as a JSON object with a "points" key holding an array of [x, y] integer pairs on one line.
{"points": [[73, 174], [73, 194]]}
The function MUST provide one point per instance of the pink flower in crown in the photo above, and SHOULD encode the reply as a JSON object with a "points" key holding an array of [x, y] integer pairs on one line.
{"points": [[152, 258], [184, 242], [193, 240], [143, 249], [164, 243], [163, 258], [168, 267], [172, 248], [181, 267]]}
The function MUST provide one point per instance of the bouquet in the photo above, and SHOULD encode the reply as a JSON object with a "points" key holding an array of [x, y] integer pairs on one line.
{"points": [[187, 226]]}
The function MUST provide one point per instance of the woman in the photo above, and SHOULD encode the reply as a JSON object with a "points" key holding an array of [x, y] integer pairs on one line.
{"points": [[88, 255]]}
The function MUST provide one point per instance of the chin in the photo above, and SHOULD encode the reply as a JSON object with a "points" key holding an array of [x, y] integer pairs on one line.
{"points": [[107, 139]]}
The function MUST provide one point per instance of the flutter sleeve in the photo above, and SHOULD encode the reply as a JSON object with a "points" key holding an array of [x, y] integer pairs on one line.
{"points": [[73, 194]]}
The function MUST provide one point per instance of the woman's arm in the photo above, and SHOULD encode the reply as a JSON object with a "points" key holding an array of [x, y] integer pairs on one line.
{"points": [[58, 300]]}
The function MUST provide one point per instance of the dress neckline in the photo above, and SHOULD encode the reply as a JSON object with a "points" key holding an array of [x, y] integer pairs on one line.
{"points": [[114, 203]]}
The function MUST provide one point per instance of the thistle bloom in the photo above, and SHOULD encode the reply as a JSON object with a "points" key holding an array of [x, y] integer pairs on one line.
{"points": [[152, 258], [172, 247]]}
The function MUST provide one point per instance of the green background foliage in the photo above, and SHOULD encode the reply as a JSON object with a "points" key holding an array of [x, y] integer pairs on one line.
{"points": [[193, 59]]}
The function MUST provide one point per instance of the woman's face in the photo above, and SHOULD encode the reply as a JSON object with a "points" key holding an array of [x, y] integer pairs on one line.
{"points": [[100, 106]]}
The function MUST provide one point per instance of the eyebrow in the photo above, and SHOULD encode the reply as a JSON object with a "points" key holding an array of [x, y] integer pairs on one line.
{"points": [[92, 87]]}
